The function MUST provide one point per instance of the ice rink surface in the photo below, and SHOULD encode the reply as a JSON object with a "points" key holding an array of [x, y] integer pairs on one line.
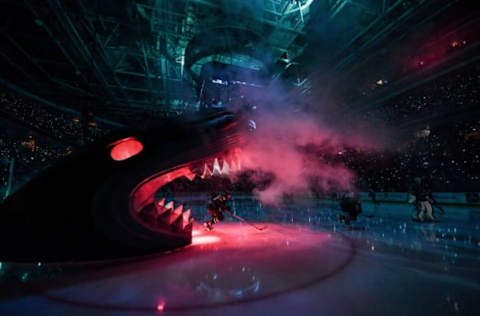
{"points": [[304, 263]]}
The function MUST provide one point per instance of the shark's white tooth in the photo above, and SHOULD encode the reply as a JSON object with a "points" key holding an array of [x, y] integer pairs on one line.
{"points": [[207, 172], [225, 167], [186, 217], [216, 167], [169, 205], [177, 224], [192, 177], [174, 216], [178, 210], [161, 209], [204, 174], [210, 167], [161, 202]]}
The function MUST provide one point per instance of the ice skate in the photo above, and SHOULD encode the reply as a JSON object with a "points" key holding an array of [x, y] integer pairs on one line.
{"points": [[208, 226]]}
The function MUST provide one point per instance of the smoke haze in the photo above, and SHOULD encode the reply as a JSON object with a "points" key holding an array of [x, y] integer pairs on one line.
{"points": [[280, 146]]}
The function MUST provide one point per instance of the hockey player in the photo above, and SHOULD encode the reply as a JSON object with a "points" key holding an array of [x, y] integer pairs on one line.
{"points": [[422, 201], [216, 207], [350, 204]]}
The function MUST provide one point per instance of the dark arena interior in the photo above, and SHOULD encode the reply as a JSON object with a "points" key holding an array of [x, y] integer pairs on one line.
{"points": [[240, 157]]}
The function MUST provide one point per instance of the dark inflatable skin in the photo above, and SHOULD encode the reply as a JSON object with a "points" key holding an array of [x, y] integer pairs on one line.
{"points": [[81, 208]]}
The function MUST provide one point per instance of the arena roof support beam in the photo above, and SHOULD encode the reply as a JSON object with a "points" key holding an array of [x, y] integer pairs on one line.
{"points": [[56, 41], [276, 23], [384, 30], [42, 70], [144, 75], [26, 54], [20, 69], [81, 47], [146, 69], [90, 28]]}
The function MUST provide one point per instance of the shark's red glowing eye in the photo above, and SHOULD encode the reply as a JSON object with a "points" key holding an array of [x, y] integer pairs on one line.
{"points": [[125, 148]]}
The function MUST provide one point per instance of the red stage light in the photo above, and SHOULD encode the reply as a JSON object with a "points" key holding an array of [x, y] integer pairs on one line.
{"points": [[203, 240], [161, 307], [201, 237], [125, 148], [196, 232]]}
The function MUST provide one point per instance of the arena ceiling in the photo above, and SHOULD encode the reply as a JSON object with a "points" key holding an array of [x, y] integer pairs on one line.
{"points": [[135, 55]]}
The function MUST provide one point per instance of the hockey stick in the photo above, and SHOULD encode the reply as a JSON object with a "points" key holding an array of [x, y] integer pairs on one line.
{"points": [[437, 206], [245, 221]]}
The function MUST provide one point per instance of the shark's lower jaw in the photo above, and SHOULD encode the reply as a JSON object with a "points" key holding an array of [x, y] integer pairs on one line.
{"points": [[165, 216], [100, 200]]}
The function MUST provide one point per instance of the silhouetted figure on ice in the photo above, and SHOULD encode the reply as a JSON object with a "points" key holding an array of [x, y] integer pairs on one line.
{"points": [[373, 196], [216, 207], [350, 204], [421, 199]]}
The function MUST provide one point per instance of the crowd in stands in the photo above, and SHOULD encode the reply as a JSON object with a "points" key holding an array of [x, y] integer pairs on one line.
{"points": [[28, 155], [450, 160], [448, 94], [54, 123], [448, 152], [33, 135]]}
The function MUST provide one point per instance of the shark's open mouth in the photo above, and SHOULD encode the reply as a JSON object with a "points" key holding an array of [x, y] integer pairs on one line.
{"points": [[103, 200], [172, 218]]}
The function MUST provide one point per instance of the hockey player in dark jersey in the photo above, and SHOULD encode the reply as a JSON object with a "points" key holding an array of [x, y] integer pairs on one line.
{"points": [[216, 207], [350, 204]]}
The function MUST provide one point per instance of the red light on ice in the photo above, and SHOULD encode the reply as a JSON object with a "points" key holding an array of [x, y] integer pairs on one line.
{"points": [[161, 307], [125, 148], [195, 232], [202, 240]]}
